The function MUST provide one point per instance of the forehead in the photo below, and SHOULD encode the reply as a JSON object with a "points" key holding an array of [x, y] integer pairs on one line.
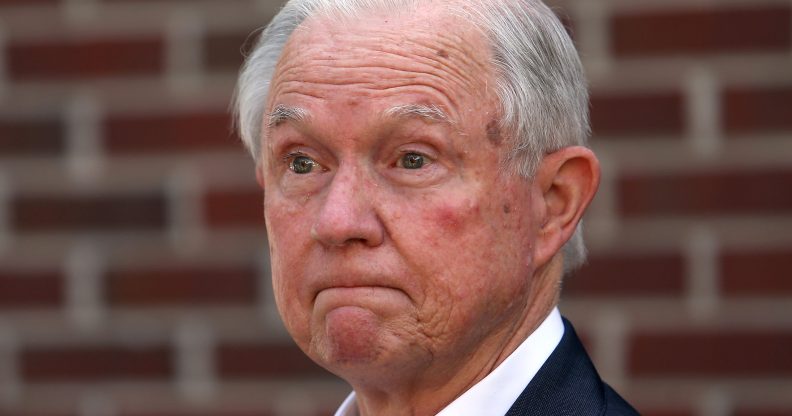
{"points": [[428, 52]]}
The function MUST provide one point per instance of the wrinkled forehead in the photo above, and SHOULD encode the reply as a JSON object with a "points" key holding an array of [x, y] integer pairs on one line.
{"points": [[424, 20], [430, 39]]}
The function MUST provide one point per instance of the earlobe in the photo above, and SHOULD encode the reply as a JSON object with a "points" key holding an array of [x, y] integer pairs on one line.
{"points": [[568, 179]]}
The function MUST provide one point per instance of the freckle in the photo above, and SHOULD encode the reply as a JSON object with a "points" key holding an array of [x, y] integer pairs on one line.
{"points": [[506, 208], [442, 53], [494, 133]]}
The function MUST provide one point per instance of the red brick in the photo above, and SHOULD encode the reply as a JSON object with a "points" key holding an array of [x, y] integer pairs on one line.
{"points": [[706, 193], [226, 51], [172, 133], [634, 114], [234, 208], [95, 363], [37, 413], [29, 137], [708, 353], [701, 31], [757, 110], [88, 213], [193, 285], [84, 59], [246, 361], [30, 289], [4, 3], [652, 274], [756, 273]]}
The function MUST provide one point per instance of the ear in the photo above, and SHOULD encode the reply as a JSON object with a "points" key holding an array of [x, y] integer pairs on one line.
{"points": [[567, 180]]}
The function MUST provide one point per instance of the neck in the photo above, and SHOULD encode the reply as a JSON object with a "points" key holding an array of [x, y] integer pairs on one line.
{"points": [[444, 380]]}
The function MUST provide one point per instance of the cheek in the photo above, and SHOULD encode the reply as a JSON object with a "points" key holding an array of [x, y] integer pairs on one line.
{"points": [[473, 237], [288, 223], [455, 231], [288, 238], [453, 219]]}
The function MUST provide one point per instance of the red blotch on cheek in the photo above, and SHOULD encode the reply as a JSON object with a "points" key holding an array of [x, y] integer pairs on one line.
{"points": [[453, 218], [447, 219]]}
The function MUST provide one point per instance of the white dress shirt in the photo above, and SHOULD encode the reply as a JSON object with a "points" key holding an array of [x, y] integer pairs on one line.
{"points": [[495, 393]]}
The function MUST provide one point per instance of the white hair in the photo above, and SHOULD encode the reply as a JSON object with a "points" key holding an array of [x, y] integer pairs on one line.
{"points": [[540, 80]]}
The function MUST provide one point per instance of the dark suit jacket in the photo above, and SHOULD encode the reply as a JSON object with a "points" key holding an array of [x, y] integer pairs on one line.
{"points": [[568, 384]]}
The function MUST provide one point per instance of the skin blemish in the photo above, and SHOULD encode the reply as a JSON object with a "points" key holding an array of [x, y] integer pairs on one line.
{"points": [[447, 218], [452, 218], [442, 53], [494, 133], [506, 208]]}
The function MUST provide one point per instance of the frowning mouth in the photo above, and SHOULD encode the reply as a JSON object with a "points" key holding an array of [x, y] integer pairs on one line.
{"points": [[372, 297], [355, 289], [352, 281]]}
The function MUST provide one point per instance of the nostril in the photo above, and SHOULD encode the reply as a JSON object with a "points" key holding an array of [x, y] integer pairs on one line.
{"points": [[363, 227]]}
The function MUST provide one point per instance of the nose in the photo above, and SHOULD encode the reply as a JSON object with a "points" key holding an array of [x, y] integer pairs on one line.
{"points": [[347, 215]]}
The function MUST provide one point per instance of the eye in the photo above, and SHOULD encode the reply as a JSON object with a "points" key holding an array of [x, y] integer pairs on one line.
{"points": [[302, 165], [412, 161]]}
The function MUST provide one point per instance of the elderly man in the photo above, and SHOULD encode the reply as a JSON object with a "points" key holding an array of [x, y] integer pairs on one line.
{"points": [[423, 167]]}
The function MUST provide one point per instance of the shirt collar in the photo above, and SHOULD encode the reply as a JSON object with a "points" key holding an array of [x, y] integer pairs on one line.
{"points": [[496, 392]]}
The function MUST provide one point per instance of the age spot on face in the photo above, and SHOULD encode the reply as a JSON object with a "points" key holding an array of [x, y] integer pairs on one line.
{"points": [[494, 132], [442, 53], [506, 208]]}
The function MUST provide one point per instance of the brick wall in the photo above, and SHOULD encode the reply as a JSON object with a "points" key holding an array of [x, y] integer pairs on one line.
{"points": [[133, 274]]}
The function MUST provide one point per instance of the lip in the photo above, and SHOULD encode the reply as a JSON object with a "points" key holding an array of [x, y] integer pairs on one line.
{"points": [[354, 289], [385, 299], [351, 278]]}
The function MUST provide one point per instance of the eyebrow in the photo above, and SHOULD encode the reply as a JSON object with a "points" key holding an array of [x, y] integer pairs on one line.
{"points": [[282, 113], [431, 113]]}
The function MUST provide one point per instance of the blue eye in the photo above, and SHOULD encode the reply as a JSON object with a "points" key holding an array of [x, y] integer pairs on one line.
{"points": [[412, 161], [302, 165]]}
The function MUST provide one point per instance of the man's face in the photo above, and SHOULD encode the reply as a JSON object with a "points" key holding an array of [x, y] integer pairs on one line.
{"points": [[397, 240]]}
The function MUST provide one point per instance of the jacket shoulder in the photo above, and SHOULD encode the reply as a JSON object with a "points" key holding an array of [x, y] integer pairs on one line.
{"points": [[616, 405]]}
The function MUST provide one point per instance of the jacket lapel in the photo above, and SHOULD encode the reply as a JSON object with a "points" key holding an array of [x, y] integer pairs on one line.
{"points": [[567, 383]]}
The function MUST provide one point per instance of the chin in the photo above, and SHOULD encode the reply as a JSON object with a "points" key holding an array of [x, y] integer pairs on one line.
{"points": [[347, 336]]}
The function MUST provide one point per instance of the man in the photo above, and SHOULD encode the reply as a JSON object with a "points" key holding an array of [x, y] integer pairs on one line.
{"points": [[423, 166]]}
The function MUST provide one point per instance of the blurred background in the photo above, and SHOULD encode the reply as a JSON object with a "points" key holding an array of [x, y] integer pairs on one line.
{"points": [[133, 268]]}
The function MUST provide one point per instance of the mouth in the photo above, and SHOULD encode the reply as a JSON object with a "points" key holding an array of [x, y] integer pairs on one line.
{"points": [[354, 289], [373, 297], [353, 282]]}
